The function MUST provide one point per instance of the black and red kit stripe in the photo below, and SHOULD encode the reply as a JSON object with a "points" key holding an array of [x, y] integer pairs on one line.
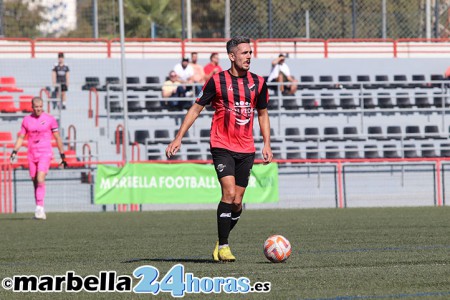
{"points": [[234, 100]]}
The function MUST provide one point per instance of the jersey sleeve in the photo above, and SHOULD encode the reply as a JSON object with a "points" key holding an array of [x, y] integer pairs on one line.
{"points": [[208, 93], [54, 68], [23, 128], [54, 125], [263, 97]]}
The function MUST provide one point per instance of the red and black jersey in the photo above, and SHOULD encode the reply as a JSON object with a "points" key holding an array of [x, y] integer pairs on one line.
{"points": [[234, 100]]}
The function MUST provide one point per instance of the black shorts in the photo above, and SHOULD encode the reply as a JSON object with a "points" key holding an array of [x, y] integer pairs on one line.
{"points": [[236, 164], [63, 88]]}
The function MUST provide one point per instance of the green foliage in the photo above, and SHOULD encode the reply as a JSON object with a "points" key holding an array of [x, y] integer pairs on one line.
{"points": [[208, 19], [108, 19], [141, 13], [21, 21]]}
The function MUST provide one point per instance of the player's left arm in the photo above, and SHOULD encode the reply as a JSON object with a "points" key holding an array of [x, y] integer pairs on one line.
{"points": [[264, 122], [59, 144], [67, 77]]}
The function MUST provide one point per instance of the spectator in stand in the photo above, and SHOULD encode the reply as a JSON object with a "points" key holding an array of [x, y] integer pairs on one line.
{"points": [[281, 73], [199, 74], [185, 75], [60, 78], [40, 129], [172, 88], [213, 66], [447, 73]]}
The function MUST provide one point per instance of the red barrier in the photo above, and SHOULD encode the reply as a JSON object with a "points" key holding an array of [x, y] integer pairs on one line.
{"points": [[146, 46], [70, 129], [86, 150], [48, 46], [135, 145], [293, 46], [6, 191], [93, 90], [6, 206], [120, 141], [160, 47], [17, 43], [361, 46]]}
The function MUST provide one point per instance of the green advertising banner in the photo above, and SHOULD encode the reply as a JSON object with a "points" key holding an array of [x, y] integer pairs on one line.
{"points": [[177, 183]]}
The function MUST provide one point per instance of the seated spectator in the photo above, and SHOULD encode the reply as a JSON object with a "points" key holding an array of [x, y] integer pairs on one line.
{"points": [[213, 66], [281, 73], [172, 88], [447, 73], [199, 74], [185, 74]]}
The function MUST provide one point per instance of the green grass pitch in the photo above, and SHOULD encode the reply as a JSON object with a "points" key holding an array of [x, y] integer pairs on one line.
{"points": [[370, 253]]}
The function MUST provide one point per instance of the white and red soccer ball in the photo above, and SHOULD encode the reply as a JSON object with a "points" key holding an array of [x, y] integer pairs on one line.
{"points": [[277, 248]]}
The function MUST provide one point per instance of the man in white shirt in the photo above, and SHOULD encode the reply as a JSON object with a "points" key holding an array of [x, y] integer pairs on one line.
{"points": [[281, 73], [184, 71], [185, 74]]}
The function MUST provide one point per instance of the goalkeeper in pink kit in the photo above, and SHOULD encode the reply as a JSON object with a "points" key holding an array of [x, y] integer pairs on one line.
{"points": [[40, 127]]}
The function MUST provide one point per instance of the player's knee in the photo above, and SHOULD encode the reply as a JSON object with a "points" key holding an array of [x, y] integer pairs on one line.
{"points": [[40, 178], [229, 195], [237, 205]]}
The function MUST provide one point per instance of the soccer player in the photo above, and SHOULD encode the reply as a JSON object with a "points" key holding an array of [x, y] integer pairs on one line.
{"points": [[39, 127], [60, 75], [234, 94]]}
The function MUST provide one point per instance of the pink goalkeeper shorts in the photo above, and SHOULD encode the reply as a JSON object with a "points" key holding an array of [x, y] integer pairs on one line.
{"points": [[41, 165]]}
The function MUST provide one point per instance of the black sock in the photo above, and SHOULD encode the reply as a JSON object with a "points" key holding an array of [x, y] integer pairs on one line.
{"points": [[235, 218], [223, 221]]}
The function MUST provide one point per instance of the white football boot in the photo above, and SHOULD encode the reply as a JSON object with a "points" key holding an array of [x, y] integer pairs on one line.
{"points": [[39, 213]]}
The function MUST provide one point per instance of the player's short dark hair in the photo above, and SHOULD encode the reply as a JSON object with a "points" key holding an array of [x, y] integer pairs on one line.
{"points": [[60, 54], [235, 41]]}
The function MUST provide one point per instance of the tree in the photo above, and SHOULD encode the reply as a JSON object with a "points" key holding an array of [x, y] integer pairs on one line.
{"points": [[19, 20], [140, 14], [108, 19]]}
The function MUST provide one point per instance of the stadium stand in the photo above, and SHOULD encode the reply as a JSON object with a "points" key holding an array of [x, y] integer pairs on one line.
{"points": [[91, 82], [8, 84]]}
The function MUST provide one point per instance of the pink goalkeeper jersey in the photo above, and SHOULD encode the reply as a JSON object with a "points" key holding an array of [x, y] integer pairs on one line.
{"points": [[40, 132]]}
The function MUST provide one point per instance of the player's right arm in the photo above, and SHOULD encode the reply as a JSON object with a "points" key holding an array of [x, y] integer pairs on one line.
{"points": [[17, 146], [189, 119], [206, 95]]}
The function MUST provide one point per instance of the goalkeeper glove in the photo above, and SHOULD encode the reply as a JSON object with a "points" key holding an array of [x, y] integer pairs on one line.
{"points": [[13, 156], [63, 160]]}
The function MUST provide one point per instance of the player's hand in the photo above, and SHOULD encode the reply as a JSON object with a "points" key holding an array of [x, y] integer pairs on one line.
{"points": [[12, 157], [173, 148], [63, 162], [267, 155]]}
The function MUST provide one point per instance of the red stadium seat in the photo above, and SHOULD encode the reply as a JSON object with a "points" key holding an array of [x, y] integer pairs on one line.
{"points": [[6, 136], [7, 104], [6, 139], [8, 84], [71, 159], [25, 103]]}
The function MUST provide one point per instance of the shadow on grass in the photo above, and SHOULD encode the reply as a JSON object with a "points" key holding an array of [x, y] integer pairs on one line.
{"points": [[171, 259], [17, 219]]}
